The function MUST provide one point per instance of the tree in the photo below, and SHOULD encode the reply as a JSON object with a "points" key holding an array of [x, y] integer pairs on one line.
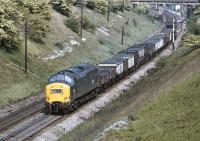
{"points": [[9, 25], [191, 40], [13, 13], [62, 6], [38, 15]]}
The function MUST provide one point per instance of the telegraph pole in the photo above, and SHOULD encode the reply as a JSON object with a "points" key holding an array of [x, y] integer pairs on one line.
{"points": [[26, 36], [182, 9], [108, 18], [123, 5], [173, 35], [82, 5], [122, 35]]}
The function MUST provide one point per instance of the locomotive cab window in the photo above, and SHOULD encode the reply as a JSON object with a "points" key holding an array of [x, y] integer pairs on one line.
{"points": [[69, 80], [56, 78], [56, 91]]}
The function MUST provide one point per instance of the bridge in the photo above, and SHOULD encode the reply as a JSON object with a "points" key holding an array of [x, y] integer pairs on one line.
{"points": [[166, 1], [184, 6]]}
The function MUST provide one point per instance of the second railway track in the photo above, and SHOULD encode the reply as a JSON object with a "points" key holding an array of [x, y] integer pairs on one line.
{"points": [[20, 114], [30, 129]]}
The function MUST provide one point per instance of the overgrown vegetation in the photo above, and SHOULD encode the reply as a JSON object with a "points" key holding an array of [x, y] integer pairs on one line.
{"points": [[98, 5], [73, 23], [194, 22], [141, 9], [88, 24], [91, 4], [62, 6], [12, 17], [192, 39], [102, 6], [10, 22]]}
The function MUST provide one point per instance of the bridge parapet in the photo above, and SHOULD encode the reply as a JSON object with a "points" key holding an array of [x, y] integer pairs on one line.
{"points": [[167, 1]]}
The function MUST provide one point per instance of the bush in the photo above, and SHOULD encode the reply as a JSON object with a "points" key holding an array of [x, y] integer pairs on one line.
{"points": [[38, 20], [61, 7], [194, 27], [194, 23], [88, 25], [116, 8], [73, 23], [9, 45], [12, 17], [102, 6], [38, 27], [141, 9], [128, 8], [91, 4], [191, 40]]}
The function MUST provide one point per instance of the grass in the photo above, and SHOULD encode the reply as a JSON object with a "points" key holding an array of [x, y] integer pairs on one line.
{"points": [[15, 85], [171, 71], [174, 116]]}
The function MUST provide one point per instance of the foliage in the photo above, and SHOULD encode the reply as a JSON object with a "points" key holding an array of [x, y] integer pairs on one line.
{"points": [[73, 23], [194, 23], [102, 6], [63, 7], [13, 13], [88, 25], [194, 26], [38, 19], [128, 7], [91, 4], [116, 8], [141, 9], [37, 28], [9, 25], [191, 40], [117, 5], [197, 11]]}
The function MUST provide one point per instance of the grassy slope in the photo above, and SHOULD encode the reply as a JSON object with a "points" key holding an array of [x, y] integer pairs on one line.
{"points": [[172, 117], [15, 85], [184, 62]]}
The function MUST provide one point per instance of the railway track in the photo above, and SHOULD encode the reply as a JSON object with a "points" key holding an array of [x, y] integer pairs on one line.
{"points": [[30, 129], [20, 114]]}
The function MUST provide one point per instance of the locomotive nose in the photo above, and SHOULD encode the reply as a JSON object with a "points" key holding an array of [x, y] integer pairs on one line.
{"points": [[57, 92]]}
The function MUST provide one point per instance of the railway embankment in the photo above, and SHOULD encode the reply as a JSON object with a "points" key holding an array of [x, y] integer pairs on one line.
{"points": [[93, 109], [62, 47], [174, 114], [162, 106], [174, 85], [175, 78]]}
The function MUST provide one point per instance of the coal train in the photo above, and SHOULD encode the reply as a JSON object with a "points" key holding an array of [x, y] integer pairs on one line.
{"points": [[68, 89]]}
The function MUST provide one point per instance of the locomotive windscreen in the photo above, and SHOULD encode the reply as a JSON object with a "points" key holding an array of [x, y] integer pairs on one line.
{"points": [[57, 78]]}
